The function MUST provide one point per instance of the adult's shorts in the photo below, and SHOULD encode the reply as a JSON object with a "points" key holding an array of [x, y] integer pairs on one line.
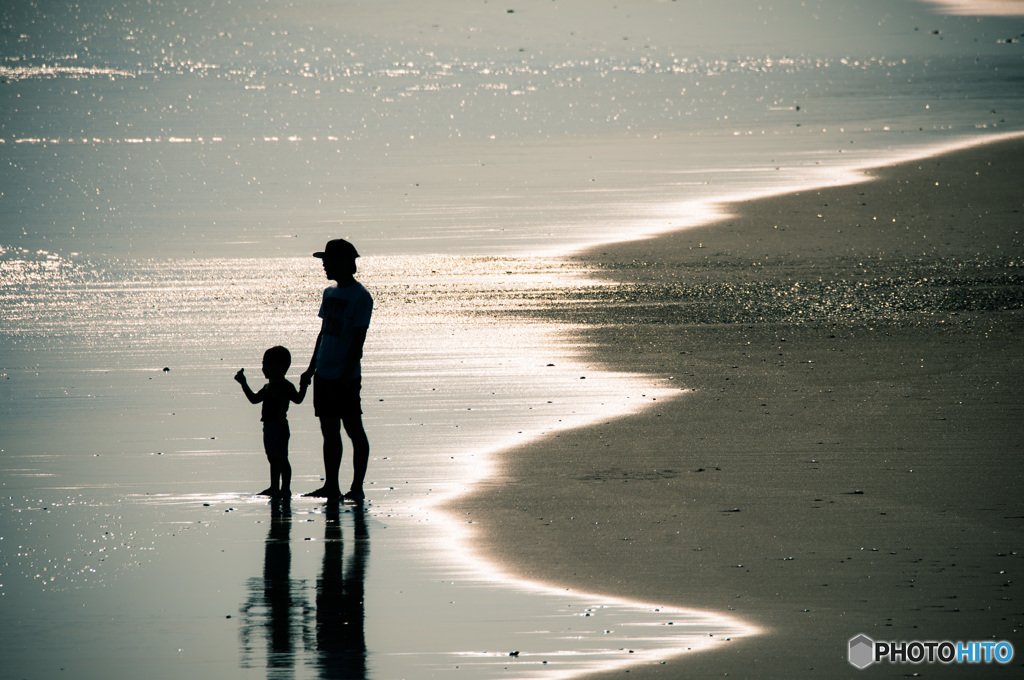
{"points": [[336, 398]]}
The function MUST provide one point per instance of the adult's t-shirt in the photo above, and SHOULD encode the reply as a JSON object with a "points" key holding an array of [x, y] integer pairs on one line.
{"points": [[343, 310]]}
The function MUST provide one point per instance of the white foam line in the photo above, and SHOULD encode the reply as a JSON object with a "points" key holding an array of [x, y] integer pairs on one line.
{"points": [[487, 571], [477, 567], [1006, 8], [700, 213]]}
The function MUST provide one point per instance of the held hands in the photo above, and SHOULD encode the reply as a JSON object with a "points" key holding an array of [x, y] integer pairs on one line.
{"points": [[306, 378]]}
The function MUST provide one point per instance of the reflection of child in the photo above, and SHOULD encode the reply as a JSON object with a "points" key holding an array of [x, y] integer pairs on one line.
{"points": [[275, 396]]}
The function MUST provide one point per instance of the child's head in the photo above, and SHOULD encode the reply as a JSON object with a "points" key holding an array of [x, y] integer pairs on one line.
{"points": [[276, 362]]}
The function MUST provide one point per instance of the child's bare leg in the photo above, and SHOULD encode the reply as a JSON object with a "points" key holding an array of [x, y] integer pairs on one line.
{"points": [[275, 443], [286, 476], [273, 488]]}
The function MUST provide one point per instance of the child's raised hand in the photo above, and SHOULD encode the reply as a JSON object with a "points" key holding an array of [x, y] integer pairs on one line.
{"points": [[240, 376]]}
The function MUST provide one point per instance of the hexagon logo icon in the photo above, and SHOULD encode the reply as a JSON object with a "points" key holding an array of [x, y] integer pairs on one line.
{"points": [[862, 651]]}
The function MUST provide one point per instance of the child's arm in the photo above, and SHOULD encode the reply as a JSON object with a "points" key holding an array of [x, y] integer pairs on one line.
{"points": [[249, 394], [298, 396]]}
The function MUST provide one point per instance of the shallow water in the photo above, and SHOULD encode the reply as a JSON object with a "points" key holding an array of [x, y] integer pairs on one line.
{"points": [[240, 589], [168, 167], [128, 534], [163, 129]]}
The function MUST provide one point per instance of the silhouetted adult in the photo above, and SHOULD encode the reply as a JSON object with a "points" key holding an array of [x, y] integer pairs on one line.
{"points": [[335, 368]]}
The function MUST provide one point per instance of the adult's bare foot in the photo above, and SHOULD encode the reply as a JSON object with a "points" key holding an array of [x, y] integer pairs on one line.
{"points": [[323, 492]]}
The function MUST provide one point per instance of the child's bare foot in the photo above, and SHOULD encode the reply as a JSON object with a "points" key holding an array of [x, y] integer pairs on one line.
{"points": [[355, 496], [270, 491]]}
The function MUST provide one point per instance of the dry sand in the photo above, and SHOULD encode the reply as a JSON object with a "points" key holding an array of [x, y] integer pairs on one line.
{"points": [[849, 458]]}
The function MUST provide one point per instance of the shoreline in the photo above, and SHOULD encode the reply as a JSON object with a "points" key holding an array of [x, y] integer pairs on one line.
{"points": [[846, 458]]}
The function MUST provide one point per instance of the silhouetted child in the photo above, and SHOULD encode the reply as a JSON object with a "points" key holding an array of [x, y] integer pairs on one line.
{"points": [[275, 396]]}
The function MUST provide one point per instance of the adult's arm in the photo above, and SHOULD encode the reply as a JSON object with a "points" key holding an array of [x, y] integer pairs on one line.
{"points": [[308, 374], [355, 351]]}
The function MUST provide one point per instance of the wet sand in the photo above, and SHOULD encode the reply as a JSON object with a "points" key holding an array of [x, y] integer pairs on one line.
{"points": [[845, 453]]}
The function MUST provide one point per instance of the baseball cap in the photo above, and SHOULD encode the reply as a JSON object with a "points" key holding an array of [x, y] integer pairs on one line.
{"points": [[338, 249]]}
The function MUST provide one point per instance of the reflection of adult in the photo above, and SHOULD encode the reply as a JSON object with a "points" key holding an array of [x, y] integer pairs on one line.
{"points": [[334, 368], [278, 610], [340, 609]]}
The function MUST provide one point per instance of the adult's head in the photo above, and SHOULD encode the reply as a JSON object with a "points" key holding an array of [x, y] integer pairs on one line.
{"points": [[338, 249], [339, 258]]}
